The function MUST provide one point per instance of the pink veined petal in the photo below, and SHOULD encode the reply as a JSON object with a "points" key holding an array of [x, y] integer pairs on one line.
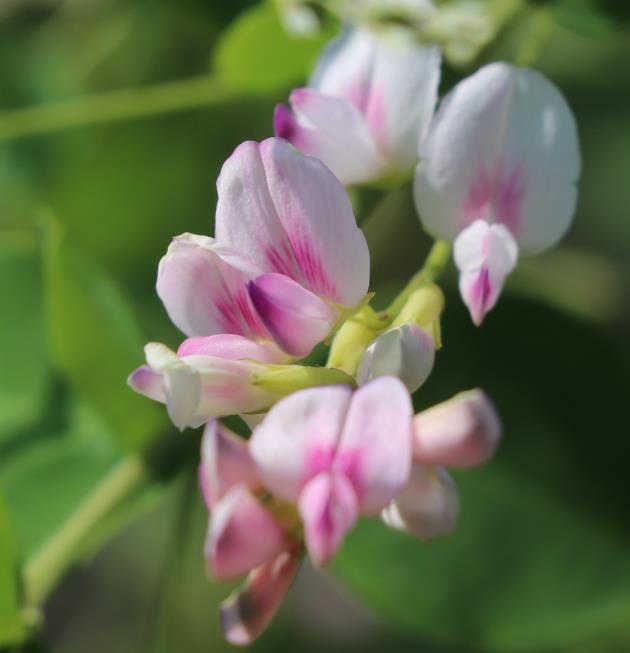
{"points": [[503, 147], [298, 438], [374, 450], [231, 347], [148, 382], [484, 254], [225, 462], [291, 216], [461, 432], [242, 535], [296, 318], [428, 505], [203, 288], [331, 129], [328, 507], [392, 84], [248, 612]]}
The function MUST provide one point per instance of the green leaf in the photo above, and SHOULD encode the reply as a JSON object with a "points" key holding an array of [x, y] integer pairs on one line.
{"points": [[24, 378], [12, 627], [257, 55], [95, 341], [540, 558]]}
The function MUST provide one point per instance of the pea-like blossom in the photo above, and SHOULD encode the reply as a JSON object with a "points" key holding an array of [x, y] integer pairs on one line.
{"points": [[320, 459], [498, 175], [367, 106], [208, 377], [287, 258]]}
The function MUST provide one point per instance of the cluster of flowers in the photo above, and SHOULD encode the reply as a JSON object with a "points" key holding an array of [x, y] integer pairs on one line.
{"points": [[496, 168]]}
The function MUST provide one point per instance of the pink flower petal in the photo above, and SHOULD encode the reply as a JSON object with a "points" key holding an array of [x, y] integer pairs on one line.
{"points": [[461, 432], [328, 507], [331, 129], [298, 438], [230, 347], [503, 148], [248, 612], [148, 382], [203, 288], [295, 317], [485, 254], [242, 535], [225, 462], [375, 447], [290, 215]]}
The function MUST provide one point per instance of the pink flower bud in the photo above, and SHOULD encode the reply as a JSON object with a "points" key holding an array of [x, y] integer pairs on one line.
{"points": [[461, 432]]}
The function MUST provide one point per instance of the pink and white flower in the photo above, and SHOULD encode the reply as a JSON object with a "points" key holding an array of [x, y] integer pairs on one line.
{"points": [[367, 106], [287, 257], [498, 175], [321, 458], [208, 377]]}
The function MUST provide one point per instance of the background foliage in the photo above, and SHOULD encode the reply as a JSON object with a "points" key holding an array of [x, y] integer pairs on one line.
{"points": [[91, 191]]}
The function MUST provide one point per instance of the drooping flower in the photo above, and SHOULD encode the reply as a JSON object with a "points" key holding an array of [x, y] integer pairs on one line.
{"points": [[498, 175], [287, 257], [367, 106]]}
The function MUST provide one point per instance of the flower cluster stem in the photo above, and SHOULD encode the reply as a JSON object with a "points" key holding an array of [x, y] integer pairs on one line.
{"points": [[48, 565], [125, 104]]}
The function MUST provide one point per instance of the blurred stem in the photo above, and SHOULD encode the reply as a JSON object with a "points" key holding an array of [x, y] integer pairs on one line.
{"points": [[48, 565], [433, 267], [168, 588], [540, 29], [118, 105]]}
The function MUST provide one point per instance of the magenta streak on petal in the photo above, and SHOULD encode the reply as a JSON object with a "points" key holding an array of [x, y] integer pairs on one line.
{"points": [[496, 198], [359, 95], [284, 123], [312, 268], [480, 295], [318, 459], [376, 117], [248, 312], [282, 261], [348, 462]]}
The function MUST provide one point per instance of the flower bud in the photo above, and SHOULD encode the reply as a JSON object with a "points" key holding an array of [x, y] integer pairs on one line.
{"points": [[354, 335], [461, 432], [406, 351], [428, 506], [424, 308]]}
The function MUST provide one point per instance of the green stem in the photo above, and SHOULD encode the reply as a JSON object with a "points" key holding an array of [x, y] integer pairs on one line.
{"points": [[117, 105], [49, 564], [431, 270]]}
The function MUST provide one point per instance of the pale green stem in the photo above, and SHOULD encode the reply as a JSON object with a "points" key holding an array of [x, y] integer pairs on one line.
{"points": [[433, 267], [47, 566], [118, 105]]}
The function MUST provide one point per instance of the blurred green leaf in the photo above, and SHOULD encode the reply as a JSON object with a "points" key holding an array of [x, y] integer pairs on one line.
{"points": [[23, 382], [95, 341], [588, 17], [256, 54], [12, 628], [540, 558]]}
